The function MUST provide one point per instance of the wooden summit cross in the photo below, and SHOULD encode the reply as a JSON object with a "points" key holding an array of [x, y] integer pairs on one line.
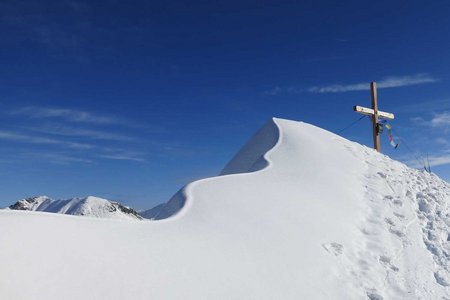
{"points": [[375, 114]]}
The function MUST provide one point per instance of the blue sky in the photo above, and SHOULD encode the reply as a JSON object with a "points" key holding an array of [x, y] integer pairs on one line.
{"points": [[132, 100]]}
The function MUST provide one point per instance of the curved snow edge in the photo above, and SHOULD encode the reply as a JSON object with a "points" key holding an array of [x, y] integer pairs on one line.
{"points": [[179, 204]]}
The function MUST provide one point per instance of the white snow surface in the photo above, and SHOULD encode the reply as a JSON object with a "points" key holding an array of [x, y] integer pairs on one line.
{"points": [[299, 213], [85, 206]]}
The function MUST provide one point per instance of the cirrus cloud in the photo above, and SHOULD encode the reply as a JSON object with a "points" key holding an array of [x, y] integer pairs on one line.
{"points": [[387, 82], [64, 113]]}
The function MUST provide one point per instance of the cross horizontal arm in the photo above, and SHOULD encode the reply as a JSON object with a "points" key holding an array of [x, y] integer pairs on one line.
{"points": [[371, 112]]}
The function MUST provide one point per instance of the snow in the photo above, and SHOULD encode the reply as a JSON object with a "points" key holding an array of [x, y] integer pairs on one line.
{"points": [[299, 213]]}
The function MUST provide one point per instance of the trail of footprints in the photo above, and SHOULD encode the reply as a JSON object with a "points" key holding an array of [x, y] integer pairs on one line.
{"points": [[432, 213], [392, 223]]}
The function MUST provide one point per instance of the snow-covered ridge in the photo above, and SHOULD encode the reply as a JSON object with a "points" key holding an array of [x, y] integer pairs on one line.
{"points": [[87, 206], [252, 157], [304, 214]]}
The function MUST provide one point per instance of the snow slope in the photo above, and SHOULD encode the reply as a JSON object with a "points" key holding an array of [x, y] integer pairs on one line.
{"points": [[299, 213], [87, 206]]}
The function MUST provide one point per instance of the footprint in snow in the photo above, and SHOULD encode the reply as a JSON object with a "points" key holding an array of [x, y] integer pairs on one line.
{"points": [[392, 230], [398, 203], [409, 194], [424, 206], [396, 232], [395, 201], [400, 216], [373, 295], [333, 248], [389, 221], [440, 279], [386, 261], [382, 175]]}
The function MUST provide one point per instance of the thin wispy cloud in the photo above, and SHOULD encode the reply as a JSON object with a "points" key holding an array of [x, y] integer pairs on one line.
{"points": [[439, 160], [442, 141], [433, 161], [122, 157], [74, 148], [70, 115], [122, 154], [441, 120], [55, 158], [279, 90], [80, 132], [18, 137], [387, 82], [426, 106]]}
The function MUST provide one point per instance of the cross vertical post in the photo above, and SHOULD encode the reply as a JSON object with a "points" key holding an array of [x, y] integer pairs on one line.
{"points": [[375, 114], [376, 131]]}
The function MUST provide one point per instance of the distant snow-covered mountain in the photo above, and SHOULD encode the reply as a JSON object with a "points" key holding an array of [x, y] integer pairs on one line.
{"points": [[87, 206]]}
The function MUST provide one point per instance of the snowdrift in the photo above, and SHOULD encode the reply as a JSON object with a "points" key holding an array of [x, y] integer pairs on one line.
{"points": [[299, 213]]}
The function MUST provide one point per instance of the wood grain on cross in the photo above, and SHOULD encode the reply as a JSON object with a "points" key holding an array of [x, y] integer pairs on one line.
{"points": [[375, 115]]}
